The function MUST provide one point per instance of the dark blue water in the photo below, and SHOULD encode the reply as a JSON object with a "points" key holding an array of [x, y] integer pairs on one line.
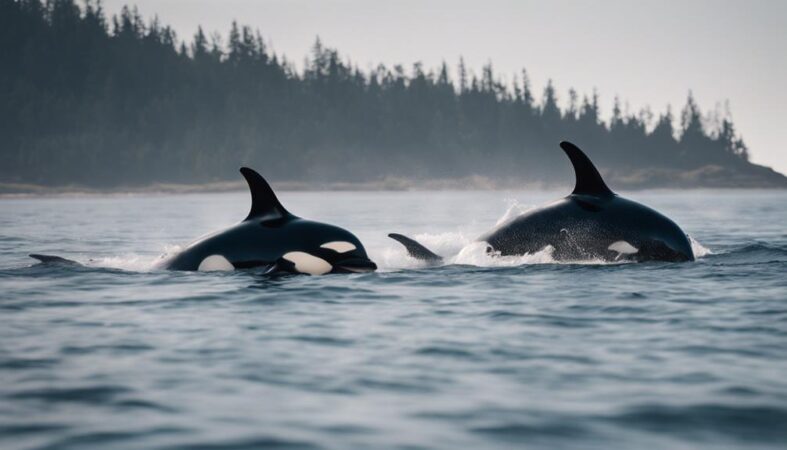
{"points": [[481, 353]]}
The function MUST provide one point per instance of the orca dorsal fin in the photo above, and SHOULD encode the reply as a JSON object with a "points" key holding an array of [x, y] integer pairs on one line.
{"points": [[264, 204], [589, 181]]}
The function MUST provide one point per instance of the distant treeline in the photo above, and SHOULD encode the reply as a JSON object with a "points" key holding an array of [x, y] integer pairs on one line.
{"points": [[105, 102]]}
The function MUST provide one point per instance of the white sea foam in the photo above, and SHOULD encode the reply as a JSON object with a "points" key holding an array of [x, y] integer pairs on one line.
{"points": [[515, 209], [476, 254], [134, 262], [128, 262], [394, 256], [699, 249]]}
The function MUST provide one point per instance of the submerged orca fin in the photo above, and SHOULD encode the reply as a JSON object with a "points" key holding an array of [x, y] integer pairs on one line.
{"points": [[50, 259], [415, 249], [589, 181], [264, 204]]}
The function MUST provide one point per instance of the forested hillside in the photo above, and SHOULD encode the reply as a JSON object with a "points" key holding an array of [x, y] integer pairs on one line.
{"points": [[104, 102]]}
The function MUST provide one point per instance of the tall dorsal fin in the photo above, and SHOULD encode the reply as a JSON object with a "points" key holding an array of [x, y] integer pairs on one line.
{"points": [[264, 204], [589, 181]]}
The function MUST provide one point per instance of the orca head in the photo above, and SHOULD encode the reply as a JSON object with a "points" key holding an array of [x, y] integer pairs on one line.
{"points": [[312, 248], [328, 249], [346, 255]]}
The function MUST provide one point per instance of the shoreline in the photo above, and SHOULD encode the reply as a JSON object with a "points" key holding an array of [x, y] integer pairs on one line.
{"points": [[706, 177], [26, 190]]}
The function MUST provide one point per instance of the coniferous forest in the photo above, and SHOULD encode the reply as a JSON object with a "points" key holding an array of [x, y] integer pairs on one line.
{"points": [[99, 101]]}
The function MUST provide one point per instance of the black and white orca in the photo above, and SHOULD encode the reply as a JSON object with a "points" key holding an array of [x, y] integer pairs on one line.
{"points": [[270, 239], [592, 223]]}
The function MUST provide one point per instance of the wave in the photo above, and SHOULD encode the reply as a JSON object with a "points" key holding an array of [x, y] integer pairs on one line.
{"points": [[755, 253], [748, 423], [514, 210]]}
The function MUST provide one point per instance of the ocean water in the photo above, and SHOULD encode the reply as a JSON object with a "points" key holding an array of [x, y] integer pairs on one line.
{"points": [[479, 353]]}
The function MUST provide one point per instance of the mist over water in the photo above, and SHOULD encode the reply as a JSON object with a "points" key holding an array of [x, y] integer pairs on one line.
{"points": [[479, 353]]}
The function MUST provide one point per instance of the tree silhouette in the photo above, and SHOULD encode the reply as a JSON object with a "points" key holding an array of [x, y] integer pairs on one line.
{"points": [[101, 102]]}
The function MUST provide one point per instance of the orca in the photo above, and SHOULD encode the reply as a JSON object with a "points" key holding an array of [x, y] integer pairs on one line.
{"points": [[274, 239], [592, 223], [270, 239]]}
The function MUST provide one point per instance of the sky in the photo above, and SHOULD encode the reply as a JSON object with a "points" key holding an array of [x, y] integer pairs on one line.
{"points": [[650, 53]]}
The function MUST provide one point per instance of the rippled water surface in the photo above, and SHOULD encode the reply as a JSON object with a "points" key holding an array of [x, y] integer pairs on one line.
{"points": [[480, 353]]}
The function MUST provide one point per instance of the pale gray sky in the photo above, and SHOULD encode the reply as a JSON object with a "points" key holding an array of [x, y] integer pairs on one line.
{"points": [[647, 52]]}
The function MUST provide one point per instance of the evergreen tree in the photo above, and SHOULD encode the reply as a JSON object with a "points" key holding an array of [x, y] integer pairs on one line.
{"points": [[101, 102]]}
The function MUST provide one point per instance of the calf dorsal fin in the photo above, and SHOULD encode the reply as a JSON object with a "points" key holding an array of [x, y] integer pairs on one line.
{"points": [[264, 204], [589, 181]]}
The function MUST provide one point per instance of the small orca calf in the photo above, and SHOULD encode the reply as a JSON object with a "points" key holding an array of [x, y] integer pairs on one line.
{"points": [[591, 223], [269, 238]]}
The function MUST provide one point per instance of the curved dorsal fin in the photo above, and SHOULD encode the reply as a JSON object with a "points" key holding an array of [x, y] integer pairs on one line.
{"points": [[589, 181], [264, 204]]}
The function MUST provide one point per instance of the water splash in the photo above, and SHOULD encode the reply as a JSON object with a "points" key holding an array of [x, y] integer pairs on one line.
{"points": [[395, 257], [699, 250], [476, 254], [135, 262], [129, 263], [514, 210]]}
